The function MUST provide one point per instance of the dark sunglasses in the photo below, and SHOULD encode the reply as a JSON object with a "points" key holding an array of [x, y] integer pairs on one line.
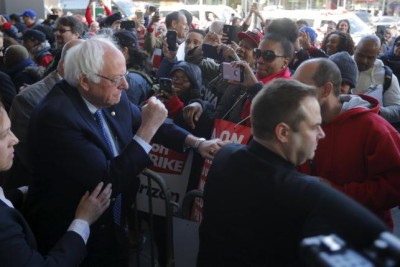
{"points": [[267, 55]]}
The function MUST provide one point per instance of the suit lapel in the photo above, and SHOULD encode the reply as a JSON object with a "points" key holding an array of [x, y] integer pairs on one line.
{"points": [[87, 116]]}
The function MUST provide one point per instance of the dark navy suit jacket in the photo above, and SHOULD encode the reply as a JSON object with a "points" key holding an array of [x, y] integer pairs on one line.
{"points": [[71, 156], [18, 245]]}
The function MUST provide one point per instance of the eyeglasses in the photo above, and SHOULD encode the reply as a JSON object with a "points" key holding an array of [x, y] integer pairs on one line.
{"points": [[62, 30], [267, 55], [115, 81], [180, 79]]}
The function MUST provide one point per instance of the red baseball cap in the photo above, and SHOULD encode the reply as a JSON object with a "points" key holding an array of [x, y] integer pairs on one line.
{"points": [[255, 37]]}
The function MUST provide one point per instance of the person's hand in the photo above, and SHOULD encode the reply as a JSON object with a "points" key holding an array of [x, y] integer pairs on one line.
{"points": [[154, 114], [2, 20], [224, 38], [164, 96], [209, 148], [228, 53], [234, 45], [170, 55], [192, 113], [304, 40], [154, 19], [211, 38], [249, 78], [92, 205]]}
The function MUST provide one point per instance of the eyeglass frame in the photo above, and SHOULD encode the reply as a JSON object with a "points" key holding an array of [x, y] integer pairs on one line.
{"points": [[62, 31], [115, 81], [267, 55], [181, 79]]}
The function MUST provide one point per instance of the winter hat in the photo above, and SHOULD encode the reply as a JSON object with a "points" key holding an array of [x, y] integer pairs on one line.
{"points": [[347, 66], [34, 35], [112, 18], [126, 38], [310, 31], [15, 54]]}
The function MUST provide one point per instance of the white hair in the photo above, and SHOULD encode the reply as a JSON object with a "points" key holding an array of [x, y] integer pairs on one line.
{"points": [[87, 59]]}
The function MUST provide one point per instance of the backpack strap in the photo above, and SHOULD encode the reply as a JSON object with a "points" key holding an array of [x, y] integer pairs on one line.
{"points": [[144, 75], [388, 78]]}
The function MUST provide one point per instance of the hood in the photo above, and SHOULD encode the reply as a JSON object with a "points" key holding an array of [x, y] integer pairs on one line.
{"points": [[354, 105], [192, 71]]}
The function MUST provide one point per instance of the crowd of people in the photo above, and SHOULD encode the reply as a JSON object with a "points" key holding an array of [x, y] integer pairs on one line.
{"points": [[83, 100]]}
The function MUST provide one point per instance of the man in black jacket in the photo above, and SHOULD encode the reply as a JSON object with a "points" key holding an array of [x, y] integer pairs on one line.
{"points": [[257, 206]]}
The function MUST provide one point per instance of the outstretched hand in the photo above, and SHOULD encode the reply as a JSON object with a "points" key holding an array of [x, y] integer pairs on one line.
{"points": [[192, 113], [92, 205], [209, 148]]}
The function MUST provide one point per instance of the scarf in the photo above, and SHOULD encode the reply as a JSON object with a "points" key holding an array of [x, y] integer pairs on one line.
{"points": [[284, 74]]}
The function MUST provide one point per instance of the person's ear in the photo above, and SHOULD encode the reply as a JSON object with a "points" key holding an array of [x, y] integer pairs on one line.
{"points": [[286, 62], [174, 23], [327, 89], [282, 132], [125, 52], [84, 82]]}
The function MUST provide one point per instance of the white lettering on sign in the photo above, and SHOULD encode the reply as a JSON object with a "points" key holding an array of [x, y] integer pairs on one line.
{"points": [[165, 163], [156, 148], [234, 137], [157, 193]]}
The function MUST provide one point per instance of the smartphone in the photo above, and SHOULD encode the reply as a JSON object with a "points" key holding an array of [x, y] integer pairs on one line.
{"points": [[380, 31], [127, 24], [171, 40], [230, 31], [211, 51], [166, 85], [52, 17], [232, 73]]}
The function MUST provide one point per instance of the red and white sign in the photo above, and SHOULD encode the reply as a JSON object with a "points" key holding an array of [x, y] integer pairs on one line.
{"points": [[175, 168], [226, 131]]}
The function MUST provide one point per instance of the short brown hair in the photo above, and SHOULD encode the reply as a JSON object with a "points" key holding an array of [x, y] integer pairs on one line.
{"points": [[277, 102]]}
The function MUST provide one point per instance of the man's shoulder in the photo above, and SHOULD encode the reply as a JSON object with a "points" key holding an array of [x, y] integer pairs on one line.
{"points": [[38, 90]]}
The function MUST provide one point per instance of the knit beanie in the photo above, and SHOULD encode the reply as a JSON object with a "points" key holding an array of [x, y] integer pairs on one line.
{"points": [[15, 54], [347, 66], [34, 35]]}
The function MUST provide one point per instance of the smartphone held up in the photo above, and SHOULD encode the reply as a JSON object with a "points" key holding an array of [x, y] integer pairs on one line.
{"points": [[232, 73]]}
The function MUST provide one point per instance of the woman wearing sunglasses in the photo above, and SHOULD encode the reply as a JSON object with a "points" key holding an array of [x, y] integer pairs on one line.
{"points": [[272, 58]]}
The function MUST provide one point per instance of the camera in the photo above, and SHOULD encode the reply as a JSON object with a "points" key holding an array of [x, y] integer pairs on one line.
{"points": [[232, 73], [332, 251]]}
